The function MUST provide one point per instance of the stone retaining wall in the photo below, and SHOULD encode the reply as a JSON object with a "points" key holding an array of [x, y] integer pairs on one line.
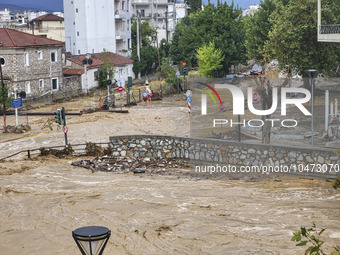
{"points": [[224, 152]]}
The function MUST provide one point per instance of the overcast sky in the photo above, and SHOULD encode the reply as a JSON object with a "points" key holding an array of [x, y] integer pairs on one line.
{"points": [[57, 5]]}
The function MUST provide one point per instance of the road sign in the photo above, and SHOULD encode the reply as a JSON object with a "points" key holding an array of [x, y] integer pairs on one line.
{"points": [[120, 89], [16, 103], [189, 99], [222, 106], [188, 93], [255, 97], [184, 63], [65, 129], [178, 74]]}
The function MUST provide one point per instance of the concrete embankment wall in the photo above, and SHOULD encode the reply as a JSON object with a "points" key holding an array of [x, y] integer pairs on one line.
{"points": [[228, 152]]}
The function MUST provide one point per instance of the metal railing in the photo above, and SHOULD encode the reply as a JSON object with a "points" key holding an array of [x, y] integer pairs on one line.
{"points": [[330, 29], [36, 152]]}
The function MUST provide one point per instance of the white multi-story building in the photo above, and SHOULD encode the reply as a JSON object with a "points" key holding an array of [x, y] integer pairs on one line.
{"points": [[161, 14], [94, 26], [5, 16], [251, 10]]}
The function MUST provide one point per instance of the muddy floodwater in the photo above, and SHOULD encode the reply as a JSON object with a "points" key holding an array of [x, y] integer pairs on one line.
{"points": [[46, 199]]}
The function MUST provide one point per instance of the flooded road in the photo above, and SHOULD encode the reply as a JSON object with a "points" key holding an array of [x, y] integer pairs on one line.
{"points": [[47, 199]]}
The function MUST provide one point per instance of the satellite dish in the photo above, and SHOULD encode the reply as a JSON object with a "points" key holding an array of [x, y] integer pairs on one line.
{"points": [[22, 94], [90, 61], [84, 62]]}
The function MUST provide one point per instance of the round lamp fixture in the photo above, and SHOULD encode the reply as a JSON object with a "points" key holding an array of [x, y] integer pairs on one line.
{"points": [[91, 240]]}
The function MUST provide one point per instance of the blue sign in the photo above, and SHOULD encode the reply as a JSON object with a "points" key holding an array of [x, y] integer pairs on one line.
{"points": [[16, 103], [189, 99]]}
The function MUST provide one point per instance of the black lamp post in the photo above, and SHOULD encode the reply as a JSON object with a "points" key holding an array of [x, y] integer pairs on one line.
{"points": [[312, 75], [91, 240]]}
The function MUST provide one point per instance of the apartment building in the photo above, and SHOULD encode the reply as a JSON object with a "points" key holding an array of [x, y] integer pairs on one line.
{"points": [[161, 14], [94, 26]]}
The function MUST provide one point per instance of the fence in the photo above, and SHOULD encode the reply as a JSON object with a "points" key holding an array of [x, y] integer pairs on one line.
{"points": [[79, 150]]}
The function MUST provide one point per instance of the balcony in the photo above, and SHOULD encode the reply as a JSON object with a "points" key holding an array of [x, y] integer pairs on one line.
{"points": [[329, 33], [122, 14], [330, 29], [121, 35], [141, 2]]}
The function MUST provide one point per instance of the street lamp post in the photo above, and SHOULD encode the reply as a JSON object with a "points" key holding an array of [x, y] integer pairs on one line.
{"points": [[312, 75], [91, 240]]}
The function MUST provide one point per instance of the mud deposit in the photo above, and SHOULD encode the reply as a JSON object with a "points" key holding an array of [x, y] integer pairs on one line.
{"points": [[42, 203]]}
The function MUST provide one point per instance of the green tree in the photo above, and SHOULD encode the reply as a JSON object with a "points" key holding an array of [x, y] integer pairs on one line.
{"points": [[209, 59], [106, 71], [257, 27], [222, 23], [4, 99], [147, 33], [185, 42], [293, 38], [148, 54], [195, 5]]}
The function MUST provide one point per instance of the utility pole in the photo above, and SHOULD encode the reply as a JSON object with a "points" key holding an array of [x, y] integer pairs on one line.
{"points": [[2, 62], [166, 26], [138, 42]]}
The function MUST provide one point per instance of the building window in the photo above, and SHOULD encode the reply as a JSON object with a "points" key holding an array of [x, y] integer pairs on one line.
{"points": [[2, 61], [55, 85], [27, 59], [71, 2], [128, 43], [120, 72], [77, 33], [53, 56], [41, 84], [79, 52], [40, 55], [76, 10], [142, 13], [28, 87], [123, 5], [74, 23], [96, 75]]}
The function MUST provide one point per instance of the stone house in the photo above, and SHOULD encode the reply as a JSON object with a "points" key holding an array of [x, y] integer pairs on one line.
{"points": [[75, 65], [31, 63]]}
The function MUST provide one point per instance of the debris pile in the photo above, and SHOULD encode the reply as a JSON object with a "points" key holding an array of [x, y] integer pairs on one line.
{"points": [[18, 129], [67, 151], [93, 149], [128, 165]]}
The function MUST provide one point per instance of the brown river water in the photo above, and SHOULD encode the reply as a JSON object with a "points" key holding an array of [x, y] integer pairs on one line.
{"points": [[46, 199], [43, 200]]}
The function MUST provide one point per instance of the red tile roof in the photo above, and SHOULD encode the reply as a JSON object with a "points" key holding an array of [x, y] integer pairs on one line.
{"points": [[98, 60], [71, 71], [48, 17], [14, 38]]}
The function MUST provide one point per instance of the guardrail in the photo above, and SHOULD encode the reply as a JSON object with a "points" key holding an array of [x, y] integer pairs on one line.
{"points": [[34, 152]]}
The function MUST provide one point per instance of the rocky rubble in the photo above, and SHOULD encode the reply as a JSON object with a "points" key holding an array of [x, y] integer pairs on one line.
{"points": [[135, 164]]}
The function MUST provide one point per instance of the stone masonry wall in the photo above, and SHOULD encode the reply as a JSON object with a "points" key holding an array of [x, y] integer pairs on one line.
{"points": [[224, 152]]}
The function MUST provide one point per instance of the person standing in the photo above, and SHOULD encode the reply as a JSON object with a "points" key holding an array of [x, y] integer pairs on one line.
{"points": [[148, 92]]}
